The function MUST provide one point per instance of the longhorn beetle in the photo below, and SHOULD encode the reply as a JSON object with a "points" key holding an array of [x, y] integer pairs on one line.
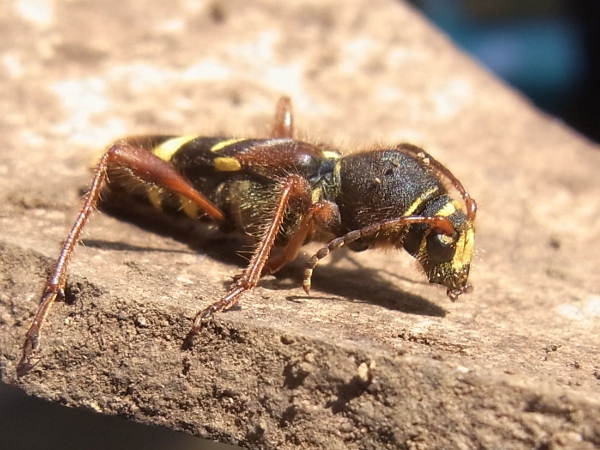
{"points": [[286, 193]]}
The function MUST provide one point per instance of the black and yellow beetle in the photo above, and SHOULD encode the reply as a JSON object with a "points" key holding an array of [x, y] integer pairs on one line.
{"points": [[286, 193]]}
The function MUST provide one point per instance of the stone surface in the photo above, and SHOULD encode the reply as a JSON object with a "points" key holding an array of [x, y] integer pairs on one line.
{"points": [[375, 357]]}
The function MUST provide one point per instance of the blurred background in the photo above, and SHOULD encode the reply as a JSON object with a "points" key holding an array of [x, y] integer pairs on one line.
{"points": [[547, 49]]}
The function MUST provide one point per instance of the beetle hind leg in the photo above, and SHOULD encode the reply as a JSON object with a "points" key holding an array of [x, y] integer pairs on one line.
{"points": [[141, 164], [293, 187]]}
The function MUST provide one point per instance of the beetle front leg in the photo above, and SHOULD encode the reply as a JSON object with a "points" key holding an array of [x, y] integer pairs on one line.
{"points": [[439, 223]]}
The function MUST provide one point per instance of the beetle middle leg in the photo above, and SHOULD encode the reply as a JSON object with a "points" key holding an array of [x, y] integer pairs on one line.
{"points": [[293, 188], [283, 124], [324, 215]]}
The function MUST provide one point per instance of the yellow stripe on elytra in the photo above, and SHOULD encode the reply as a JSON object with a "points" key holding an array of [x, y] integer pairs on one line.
{"points": [[166, 150], [227, 164], [226, 143]]}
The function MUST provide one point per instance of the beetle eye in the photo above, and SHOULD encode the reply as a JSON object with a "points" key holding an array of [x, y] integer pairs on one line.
{"points": [[441, 248]]}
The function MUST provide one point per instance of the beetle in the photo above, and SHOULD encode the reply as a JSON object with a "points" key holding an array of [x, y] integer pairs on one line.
{"points": [[285, 193]]}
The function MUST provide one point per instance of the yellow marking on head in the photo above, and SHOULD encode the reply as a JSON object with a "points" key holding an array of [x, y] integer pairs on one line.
{"points": [[447, 210], [168, 148], [155, 196], [226, 143], [225, 164], [418, 202], [189, 207], [464, 249]]}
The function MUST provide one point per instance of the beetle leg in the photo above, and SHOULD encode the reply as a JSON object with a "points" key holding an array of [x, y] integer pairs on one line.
{"points": [[324, 215], [139, 163], [438, 223], [294, 187], [283, 125]]}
